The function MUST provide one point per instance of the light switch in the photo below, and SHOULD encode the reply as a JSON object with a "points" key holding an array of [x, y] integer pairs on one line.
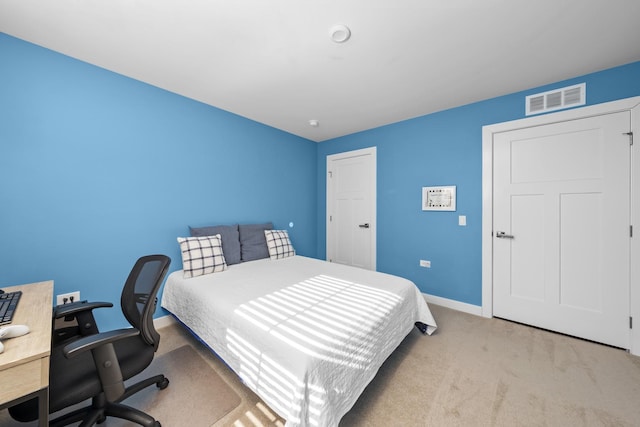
{"points": [[462, 220]]}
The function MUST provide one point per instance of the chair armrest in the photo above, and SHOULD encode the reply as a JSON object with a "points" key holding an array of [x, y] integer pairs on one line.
{"points": [[94, 341], [105, 358], [77, 307]]}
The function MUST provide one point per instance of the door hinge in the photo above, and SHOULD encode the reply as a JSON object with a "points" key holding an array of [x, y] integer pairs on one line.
{"points": [[631, 231], [330, 174], [330, 218], [630, 135], [630, 322]]}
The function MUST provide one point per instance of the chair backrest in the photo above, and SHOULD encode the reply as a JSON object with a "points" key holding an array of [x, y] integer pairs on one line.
{"points": [[138, 299]]}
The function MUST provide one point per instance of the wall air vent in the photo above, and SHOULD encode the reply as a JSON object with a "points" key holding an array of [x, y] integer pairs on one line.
{"points": [[557, 99]]}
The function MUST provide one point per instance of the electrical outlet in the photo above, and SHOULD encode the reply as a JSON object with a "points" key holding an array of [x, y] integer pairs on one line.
{"points": [[68, 298], [425, 263]]}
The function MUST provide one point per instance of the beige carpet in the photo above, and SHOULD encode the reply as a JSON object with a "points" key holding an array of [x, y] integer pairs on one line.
{"points": [[472, 372], [490, 372], [196, 396]]}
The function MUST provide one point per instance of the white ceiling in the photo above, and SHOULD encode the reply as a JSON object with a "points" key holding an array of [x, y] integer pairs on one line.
{"points": [[273, 61]]}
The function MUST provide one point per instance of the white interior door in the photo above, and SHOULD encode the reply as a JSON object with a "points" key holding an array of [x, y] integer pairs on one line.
{"points": [[562, 227], [351, 208]]}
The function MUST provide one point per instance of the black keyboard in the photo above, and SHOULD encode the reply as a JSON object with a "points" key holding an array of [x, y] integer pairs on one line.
{"points": [[8, 304]]}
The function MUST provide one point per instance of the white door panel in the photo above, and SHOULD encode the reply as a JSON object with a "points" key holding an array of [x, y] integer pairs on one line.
{"points": [[581, 272], [562, 191], [547, 158], [527, 210]]}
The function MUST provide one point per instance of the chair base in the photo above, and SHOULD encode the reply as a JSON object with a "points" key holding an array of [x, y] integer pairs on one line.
{"points": [[100, 408]]}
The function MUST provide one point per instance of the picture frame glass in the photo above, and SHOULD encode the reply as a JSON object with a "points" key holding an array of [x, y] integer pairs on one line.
{"points": [[439, 198]]}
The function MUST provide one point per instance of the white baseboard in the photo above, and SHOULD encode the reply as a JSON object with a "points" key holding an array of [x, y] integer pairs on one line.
{"points": [[163, 321], [454, 305]]}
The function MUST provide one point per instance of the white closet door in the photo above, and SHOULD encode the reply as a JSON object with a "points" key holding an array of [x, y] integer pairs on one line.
{"points": [[562, 227]]}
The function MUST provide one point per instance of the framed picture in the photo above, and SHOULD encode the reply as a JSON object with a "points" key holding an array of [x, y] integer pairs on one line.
{"points": [[439, 198]]}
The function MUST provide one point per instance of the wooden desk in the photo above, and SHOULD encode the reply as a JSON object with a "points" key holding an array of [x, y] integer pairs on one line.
{"points": [[24, 365]]}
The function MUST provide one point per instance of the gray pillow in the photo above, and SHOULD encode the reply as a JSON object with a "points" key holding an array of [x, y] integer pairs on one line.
{"points": [[253, 243], [230, 239]]}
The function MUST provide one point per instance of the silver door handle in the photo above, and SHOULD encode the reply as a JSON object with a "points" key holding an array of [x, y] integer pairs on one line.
{"points": [[503, 235], [364, 225]]}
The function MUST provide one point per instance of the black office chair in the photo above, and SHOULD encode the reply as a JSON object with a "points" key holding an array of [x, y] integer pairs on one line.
{"points": [[88, 364]]}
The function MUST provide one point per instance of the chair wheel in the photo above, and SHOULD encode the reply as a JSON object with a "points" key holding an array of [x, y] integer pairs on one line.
{"points": [[163, 384]]}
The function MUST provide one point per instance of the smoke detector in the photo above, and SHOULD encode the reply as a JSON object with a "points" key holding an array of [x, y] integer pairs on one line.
{"points": [[339, 33]]}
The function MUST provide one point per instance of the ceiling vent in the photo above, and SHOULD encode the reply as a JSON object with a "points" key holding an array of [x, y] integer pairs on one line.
{"points": [[557, 99]]}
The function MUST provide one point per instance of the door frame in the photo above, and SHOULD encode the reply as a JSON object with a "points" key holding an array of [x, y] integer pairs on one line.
{"points": [[371, 151], [628, 104]]}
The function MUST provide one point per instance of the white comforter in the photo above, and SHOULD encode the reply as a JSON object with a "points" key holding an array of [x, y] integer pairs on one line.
{"points": [[306, 335]]}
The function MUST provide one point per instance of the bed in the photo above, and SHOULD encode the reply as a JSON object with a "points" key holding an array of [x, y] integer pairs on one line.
{"points": [[305, 335]]}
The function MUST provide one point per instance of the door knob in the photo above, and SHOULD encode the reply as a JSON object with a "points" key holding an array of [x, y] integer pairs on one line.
{"points": [[503, 235], [364, 225]]}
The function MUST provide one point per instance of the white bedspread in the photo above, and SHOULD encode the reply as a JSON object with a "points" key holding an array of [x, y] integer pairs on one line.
{"points": [[306, 335]]}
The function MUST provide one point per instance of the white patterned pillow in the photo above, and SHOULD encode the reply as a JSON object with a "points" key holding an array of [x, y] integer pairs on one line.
{"points": [[201, 255], [279, 244]]}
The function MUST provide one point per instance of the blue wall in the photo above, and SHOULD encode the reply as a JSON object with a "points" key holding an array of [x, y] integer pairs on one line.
{"points": [[444, 148], [97, 169]]}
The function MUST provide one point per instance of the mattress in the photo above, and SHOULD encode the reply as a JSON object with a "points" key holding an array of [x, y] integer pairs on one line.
{"points": [[305, 335]]}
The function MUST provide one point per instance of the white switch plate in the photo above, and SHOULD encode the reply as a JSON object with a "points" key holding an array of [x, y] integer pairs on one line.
{"points": [[425, 263], [462, 220]]}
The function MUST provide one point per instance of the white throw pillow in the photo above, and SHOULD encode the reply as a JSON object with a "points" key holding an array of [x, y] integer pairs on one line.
{"points": [[279, 244], [201, 255]]}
